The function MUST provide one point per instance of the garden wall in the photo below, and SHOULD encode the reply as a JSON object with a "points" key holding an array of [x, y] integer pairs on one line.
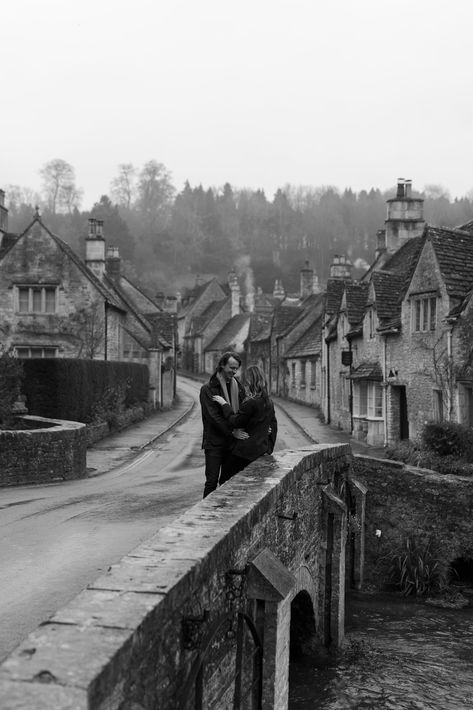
{"points": [[405, 501], [53, 450]]}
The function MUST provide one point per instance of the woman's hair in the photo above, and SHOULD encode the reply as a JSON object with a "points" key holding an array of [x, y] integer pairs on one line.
{"points": [[255, 382]]}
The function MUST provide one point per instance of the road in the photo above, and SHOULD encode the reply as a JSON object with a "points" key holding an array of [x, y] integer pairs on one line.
{"points": [[57, 538]]}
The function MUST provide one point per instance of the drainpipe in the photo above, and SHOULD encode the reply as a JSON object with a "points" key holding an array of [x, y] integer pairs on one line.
{"points": [[327, 370], [385, 393], [105, 345], [450, 369], [351, 386]]}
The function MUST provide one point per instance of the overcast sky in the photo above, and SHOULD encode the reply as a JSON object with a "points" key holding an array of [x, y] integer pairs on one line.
{"points": [[259, 93]]}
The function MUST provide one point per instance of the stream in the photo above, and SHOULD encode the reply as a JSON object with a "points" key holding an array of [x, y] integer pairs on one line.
{"points": [[399, 654]]}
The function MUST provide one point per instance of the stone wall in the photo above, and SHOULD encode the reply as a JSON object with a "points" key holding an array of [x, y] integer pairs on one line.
{"points": [[55, 450], [404, 501], [166, 624]]}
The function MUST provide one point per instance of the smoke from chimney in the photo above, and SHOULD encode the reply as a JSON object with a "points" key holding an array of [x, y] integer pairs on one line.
{"points": [[243, 268]]}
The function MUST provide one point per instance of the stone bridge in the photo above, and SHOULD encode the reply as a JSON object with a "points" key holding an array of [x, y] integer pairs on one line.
{"points": [[207, 612]]}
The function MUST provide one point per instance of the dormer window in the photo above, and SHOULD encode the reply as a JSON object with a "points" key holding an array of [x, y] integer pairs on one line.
{"points": [[36, 299], [371, 324], [424, 314]]}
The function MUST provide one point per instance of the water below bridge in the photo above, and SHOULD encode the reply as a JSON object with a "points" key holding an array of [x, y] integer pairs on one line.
{"points": [[399, 655]]}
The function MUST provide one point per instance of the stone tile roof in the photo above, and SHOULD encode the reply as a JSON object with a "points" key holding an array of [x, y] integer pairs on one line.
{"points": [[388, 288], [310, 343], [199, 323], [225, 340], [467, 227], [356, 295], [334, 293], [454, 252], [164, 327], [283, 318], [260, 327], [367, 371]]}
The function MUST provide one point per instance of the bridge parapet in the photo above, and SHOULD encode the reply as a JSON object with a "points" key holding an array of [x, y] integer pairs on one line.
{"points": [[200, 614]]}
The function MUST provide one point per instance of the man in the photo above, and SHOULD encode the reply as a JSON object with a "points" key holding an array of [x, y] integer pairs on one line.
{"points": [[217, 434]]}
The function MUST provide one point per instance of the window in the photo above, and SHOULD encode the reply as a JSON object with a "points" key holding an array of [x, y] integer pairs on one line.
{"points": [[293, 374], [371, 324], [368, 399], [313, 374], [438, 405], [424, 314], [36, 299], [26, 351], [302, 373]]}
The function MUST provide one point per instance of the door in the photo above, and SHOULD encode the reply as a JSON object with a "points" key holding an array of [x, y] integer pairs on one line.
{"points": [[403, 415]]}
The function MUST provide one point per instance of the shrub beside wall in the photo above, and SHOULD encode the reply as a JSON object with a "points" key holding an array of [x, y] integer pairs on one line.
{"points": [[83, 390]]}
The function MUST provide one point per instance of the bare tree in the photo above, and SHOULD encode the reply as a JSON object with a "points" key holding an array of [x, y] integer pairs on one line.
{"points": [[59, 189], [123, 187]]}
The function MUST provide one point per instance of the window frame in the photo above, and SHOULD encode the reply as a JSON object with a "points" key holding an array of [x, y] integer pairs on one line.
{"points": [[30, 291], [424, 313], [30, 348], [368, 400]]}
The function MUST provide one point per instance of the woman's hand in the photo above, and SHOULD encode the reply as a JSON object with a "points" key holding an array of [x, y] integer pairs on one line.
{"points": [[220, 400]]}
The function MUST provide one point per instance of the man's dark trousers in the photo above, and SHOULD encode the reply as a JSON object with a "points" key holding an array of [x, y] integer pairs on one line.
{"points": [[214, 458]]}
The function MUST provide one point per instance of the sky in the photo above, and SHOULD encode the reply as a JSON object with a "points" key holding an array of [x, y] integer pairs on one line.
{"points": [[257, 93]]}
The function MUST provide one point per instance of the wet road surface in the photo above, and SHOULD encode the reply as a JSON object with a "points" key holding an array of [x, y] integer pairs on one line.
{"points": [[399, 655], [57, 538]]}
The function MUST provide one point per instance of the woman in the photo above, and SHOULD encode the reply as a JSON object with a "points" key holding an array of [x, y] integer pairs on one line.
{"points": [[256, 416]]}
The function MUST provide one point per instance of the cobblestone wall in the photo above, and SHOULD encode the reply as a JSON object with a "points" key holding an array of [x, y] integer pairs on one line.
{"points": [[136, 637], [56, 451]]}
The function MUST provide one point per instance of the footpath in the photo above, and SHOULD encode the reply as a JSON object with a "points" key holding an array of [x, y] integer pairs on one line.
{"points": [[114, 450]]}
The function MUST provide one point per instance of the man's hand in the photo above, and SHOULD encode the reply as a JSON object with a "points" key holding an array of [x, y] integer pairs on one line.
{"points": [[220, 400], [240, 434]]}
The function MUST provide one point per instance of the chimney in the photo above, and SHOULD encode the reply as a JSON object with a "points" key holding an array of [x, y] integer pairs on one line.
{"points": [[405, 217], [278, 291], [113, 262], [159, 298], [198, 280], [3, 215], [95, 248], [315, 284], [235, 291], [380, 242], [306, 280], [340, 267], [170, 304]]}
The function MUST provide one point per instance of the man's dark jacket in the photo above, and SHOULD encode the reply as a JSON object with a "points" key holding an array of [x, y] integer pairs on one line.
{"points": [[217, 432]]}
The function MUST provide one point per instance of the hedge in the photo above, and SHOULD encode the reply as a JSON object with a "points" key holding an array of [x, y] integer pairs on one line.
{"points": [[82, 390]]}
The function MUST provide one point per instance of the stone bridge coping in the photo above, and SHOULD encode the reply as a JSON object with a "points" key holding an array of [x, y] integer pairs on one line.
{"points": [[49, 424], [65, 660]]}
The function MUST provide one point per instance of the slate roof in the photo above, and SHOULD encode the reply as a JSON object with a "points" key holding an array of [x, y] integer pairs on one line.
{"points": [[225, 340], [367, 371], [310, 343]]}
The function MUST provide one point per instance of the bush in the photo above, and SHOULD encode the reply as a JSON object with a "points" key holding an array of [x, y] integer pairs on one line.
{"points": [[448, 439], [83, 390], [416, 569], [11, 375]]}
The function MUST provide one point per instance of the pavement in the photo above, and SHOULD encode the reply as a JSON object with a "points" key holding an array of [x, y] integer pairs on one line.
{"points": [[118, 448], [114, 450]]}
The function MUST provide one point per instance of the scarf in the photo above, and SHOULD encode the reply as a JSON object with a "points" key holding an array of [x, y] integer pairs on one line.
{"points": [[233, 399]]}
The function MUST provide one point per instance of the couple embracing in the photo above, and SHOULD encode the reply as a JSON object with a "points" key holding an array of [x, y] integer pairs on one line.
{"points": [[238, 420]]}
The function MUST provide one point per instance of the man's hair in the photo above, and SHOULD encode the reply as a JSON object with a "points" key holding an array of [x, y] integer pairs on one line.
{"points": [[225, 358]]}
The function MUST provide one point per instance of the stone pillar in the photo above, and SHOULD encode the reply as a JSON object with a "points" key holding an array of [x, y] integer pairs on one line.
{"points": [[270, 581], [154, 365]]}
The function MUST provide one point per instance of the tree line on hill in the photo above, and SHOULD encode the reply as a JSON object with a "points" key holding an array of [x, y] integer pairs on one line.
{"points": [[166, 237]]}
